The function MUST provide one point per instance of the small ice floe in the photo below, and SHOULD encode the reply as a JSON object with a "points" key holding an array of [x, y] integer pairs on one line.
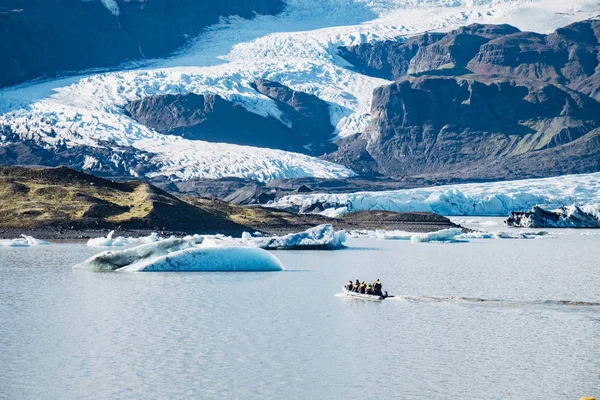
{"points": [[447, 235], [120, 241], [23, 241], [443, 235], [322, 237], [186, 254]]}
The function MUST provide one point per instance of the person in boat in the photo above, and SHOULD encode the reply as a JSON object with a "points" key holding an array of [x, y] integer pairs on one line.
{"points": [[349, 285], [356, 286], [369, 289], [377, 287], [363, 288]]}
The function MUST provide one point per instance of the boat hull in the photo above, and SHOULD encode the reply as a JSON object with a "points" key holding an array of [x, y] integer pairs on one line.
{"points": [[369, 297]]}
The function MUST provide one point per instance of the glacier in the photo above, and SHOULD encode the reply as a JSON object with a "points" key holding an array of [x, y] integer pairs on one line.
{"points": [[296, 48], [474, 199]]}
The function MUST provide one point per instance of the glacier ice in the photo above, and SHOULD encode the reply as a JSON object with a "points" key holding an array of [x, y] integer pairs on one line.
{"points": [[448, 235], [120, 241], [23, 241], [320, 237], [474, 199], [296, 48], [207, 253], [186, 254]]}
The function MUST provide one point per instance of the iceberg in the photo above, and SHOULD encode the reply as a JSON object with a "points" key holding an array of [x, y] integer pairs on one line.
{"points": [[322, 237], [121, 241], [23, 241], [444, 235], [179, 255], [572, 216]]}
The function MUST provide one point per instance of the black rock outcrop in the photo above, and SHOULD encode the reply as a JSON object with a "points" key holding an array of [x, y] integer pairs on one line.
{"points": [[40, 38], [211, 118], [565, 217], [308, 115]]}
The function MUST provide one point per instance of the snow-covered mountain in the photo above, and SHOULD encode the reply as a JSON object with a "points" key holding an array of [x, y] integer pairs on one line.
{"points": [[81, 120]]}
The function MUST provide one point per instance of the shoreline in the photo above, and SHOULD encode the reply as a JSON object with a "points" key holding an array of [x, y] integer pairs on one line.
{"points": [[71, 235]]}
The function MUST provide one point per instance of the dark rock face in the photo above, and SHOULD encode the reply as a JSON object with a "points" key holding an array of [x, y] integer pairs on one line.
{"points": [[564, 217], [40, 38], [482, 102], [214, 119], [112, 160], [481, 127], [308, 114], [394, 59], [389, 59], [570, 56]]}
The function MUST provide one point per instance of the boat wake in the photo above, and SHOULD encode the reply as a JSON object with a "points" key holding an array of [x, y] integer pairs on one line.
{"points": [[508, 303]]}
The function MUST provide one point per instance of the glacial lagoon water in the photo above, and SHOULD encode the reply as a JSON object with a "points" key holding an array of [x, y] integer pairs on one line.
{"points": [[475, 320]]}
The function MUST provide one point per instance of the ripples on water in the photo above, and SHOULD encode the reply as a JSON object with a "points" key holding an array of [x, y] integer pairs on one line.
{"points": [[469, 321]]}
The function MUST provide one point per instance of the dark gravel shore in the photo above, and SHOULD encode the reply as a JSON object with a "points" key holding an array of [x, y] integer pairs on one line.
{"points": [[370, 220]]}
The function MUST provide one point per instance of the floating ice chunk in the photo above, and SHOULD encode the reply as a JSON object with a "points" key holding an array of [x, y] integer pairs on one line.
{"points": [[121, 241], [478, 235], [23, 241], [322, 237], [522, 234], [189, 254], [444, 235], [394, 235], [31, 241], [246, 235], [14, 243]]}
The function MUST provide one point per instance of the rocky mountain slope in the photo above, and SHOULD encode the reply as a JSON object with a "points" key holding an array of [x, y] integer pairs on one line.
{"points": [[304, 126], [44, 38], [482, 102]]}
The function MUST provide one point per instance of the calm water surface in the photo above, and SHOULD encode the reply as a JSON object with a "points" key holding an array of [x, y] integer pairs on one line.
{"points": [[68, 334]]}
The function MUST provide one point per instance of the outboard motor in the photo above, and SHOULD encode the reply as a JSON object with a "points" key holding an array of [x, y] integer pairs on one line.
{"points": [[385, 293]]}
